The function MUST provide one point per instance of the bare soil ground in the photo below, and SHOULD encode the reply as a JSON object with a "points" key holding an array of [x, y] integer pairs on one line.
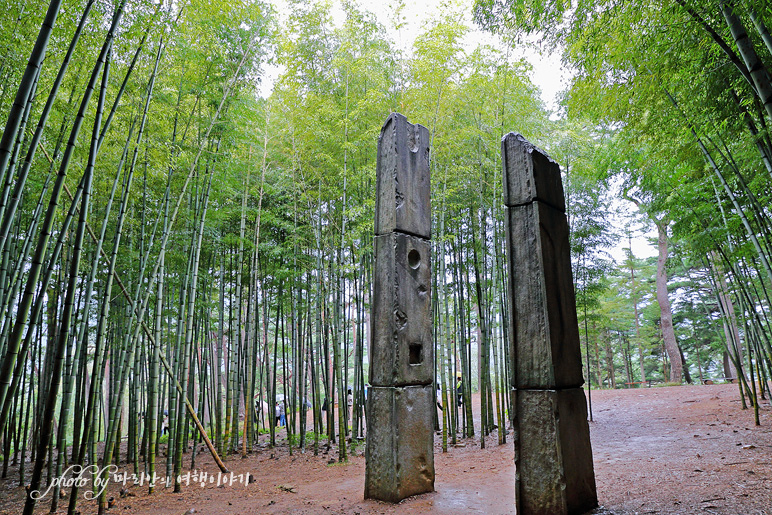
{"points": [[668, 450]]}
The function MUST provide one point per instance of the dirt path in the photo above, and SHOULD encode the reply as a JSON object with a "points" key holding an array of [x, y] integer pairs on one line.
{"points": [[677, 450], [681, 450]]}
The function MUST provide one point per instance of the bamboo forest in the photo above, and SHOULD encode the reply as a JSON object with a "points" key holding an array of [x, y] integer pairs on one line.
{"points": [[187, 267]]}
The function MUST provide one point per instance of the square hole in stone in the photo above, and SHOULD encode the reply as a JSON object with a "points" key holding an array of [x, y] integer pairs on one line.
{"points": [[416, 354]]}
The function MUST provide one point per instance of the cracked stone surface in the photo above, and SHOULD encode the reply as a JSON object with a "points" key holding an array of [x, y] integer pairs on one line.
{"points": [[400, 442], [399, 453], [553, 458], [402, 198], [401, 352], [543, 304]]}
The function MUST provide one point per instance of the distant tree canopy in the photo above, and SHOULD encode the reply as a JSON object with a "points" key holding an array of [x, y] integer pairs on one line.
{"points": [[177, 249], [684, 91]]}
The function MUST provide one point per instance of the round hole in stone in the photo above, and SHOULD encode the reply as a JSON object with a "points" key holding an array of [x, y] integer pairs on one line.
{"points": [[413, 259]]}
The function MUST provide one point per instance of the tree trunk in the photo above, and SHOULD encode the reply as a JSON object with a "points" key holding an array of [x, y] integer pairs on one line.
{"points": [[666, 316], [28, 80], [759, 73], [610, 361], [729, 321], [684, 366], [762, 29], [637, 317]]}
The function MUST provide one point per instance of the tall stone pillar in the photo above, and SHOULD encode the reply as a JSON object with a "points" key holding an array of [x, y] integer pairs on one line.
{"points": [[553, 458], [400, 426]]}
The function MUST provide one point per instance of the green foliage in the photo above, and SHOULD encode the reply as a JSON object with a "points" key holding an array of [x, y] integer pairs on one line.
{"points": [[294, 438], [285, 264]]}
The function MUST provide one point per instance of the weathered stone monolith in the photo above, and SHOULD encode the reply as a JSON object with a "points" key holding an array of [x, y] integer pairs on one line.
{"points": [[400, 404], [553, 458]]}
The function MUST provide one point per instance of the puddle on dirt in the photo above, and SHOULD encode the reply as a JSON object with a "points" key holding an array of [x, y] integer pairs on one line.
{"points": [[452, 500]]}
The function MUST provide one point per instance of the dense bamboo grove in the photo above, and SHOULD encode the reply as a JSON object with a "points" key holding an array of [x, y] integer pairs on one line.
{"points": [[206, 254], [685, 102]]}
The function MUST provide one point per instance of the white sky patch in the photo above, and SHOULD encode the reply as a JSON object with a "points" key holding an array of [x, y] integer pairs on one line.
{"points": [[641, 233]]}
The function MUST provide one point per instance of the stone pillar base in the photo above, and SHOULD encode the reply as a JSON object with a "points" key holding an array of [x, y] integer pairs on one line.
{"points": [[553, 458], [400, 442]]}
